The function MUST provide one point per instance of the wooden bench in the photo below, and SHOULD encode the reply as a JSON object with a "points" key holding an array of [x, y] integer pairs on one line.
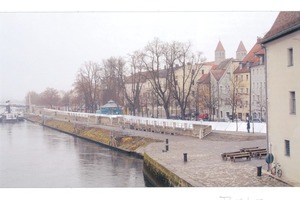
{"points": [[231, 155], [253, 152], [248, 149], [228, 154], [238, 156], [259, 153]]}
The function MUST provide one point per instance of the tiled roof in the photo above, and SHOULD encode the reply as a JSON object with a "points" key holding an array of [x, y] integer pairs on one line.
{"points": [[256, 50], [220, 47], [241, 47], [286, 22], [241, 70], [224, 63], [218, 73], [205, 79]]}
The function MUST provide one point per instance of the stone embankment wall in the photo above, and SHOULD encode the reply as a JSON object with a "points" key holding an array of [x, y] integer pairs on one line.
{"points": [[165, 126], [83, 125], [160, 176], [110, 139]]}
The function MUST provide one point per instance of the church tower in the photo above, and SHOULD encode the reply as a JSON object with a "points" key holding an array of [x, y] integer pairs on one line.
{"points": [[219, 53], [241, 52]]}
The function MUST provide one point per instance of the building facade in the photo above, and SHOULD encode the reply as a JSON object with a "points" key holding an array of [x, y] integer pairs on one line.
{"points": [[242, 87], [282, 45], [255, 90]]}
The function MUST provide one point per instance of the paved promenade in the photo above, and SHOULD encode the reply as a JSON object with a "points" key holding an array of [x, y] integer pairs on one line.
{"points": [[204, 166]]}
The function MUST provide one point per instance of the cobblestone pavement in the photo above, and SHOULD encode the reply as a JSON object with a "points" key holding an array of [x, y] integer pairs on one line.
{"points": [[204, 166]]}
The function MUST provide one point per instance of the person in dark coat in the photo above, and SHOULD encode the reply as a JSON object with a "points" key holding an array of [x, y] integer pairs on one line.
{"points": [[248, 126]]}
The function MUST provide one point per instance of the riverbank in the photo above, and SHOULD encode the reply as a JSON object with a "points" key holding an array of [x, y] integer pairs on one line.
{"points": [[112, 139], [164, 155], [125, 140]]}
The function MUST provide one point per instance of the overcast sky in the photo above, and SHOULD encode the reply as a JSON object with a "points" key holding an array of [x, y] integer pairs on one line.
{"points": [[46, 49]]}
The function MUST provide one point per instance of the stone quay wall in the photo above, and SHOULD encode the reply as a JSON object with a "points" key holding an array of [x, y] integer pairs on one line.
{"points": [[160, 176], [164, 126]]}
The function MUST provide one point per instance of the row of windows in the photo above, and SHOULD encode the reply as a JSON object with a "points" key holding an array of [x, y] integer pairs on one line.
{"points": [[258, 71], [241, 77], [258, 85], [242, 90]]}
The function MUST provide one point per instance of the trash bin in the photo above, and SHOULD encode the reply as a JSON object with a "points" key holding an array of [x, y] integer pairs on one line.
{"points": [[259, 170], [185, 157]]}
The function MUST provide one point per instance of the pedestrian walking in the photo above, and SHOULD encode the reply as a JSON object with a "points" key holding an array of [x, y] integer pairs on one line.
{"points": [[248, 126]]}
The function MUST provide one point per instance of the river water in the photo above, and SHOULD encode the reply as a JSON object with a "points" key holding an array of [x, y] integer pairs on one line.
{"points": [[33, 156]]}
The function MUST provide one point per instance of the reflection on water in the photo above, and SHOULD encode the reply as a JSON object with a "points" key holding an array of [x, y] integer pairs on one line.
{"points": [[35, 156]]}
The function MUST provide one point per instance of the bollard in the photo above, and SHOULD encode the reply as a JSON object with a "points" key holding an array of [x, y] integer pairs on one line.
{"points": [[167, 147], [185, 157], [167, 141], [258, 170]]}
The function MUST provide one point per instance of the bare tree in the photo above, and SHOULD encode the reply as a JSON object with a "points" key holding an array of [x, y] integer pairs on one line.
{"points": [[208, 98], [159, 73], [76, 101], [183, 77], [66, 99], [33, 98], [233, 97], [259, 103], [50, 97], [88, 83], [133, 83], [111, 81]]}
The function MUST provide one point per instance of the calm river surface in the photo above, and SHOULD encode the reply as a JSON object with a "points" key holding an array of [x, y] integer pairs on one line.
{"points": [[32, 156]]}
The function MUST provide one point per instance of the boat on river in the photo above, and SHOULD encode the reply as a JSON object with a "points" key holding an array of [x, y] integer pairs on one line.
{"points": [[11, 116]]}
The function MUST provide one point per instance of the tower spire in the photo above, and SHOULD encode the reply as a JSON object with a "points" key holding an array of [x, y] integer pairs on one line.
{"points": [[219, 53], [241, 51]]}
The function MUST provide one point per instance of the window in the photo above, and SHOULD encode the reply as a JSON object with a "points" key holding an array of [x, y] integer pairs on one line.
{"points": [[202, 71], [292, 102], [287, 147], [262, 60], [290, 57], [247, 91], [247, 77]]}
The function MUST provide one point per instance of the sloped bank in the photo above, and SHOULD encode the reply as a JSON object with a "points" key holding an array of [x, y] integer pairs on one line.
{"points": [[155, 174], [107, 138]]}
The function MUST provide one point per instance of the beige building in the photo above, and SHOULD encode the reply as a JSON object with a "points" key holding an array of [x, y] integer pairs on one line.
{"points": [[282, 45], [242, 87]]}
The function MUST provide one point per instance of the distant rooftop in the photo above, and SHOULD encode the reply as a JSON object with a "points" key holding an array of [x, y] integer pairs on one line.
{"points": [[110, 104]]}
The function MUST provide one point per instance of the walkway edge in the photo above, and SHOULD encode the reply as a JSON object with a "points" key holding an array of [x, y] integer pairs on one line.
{"points": [[162, 175]]}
